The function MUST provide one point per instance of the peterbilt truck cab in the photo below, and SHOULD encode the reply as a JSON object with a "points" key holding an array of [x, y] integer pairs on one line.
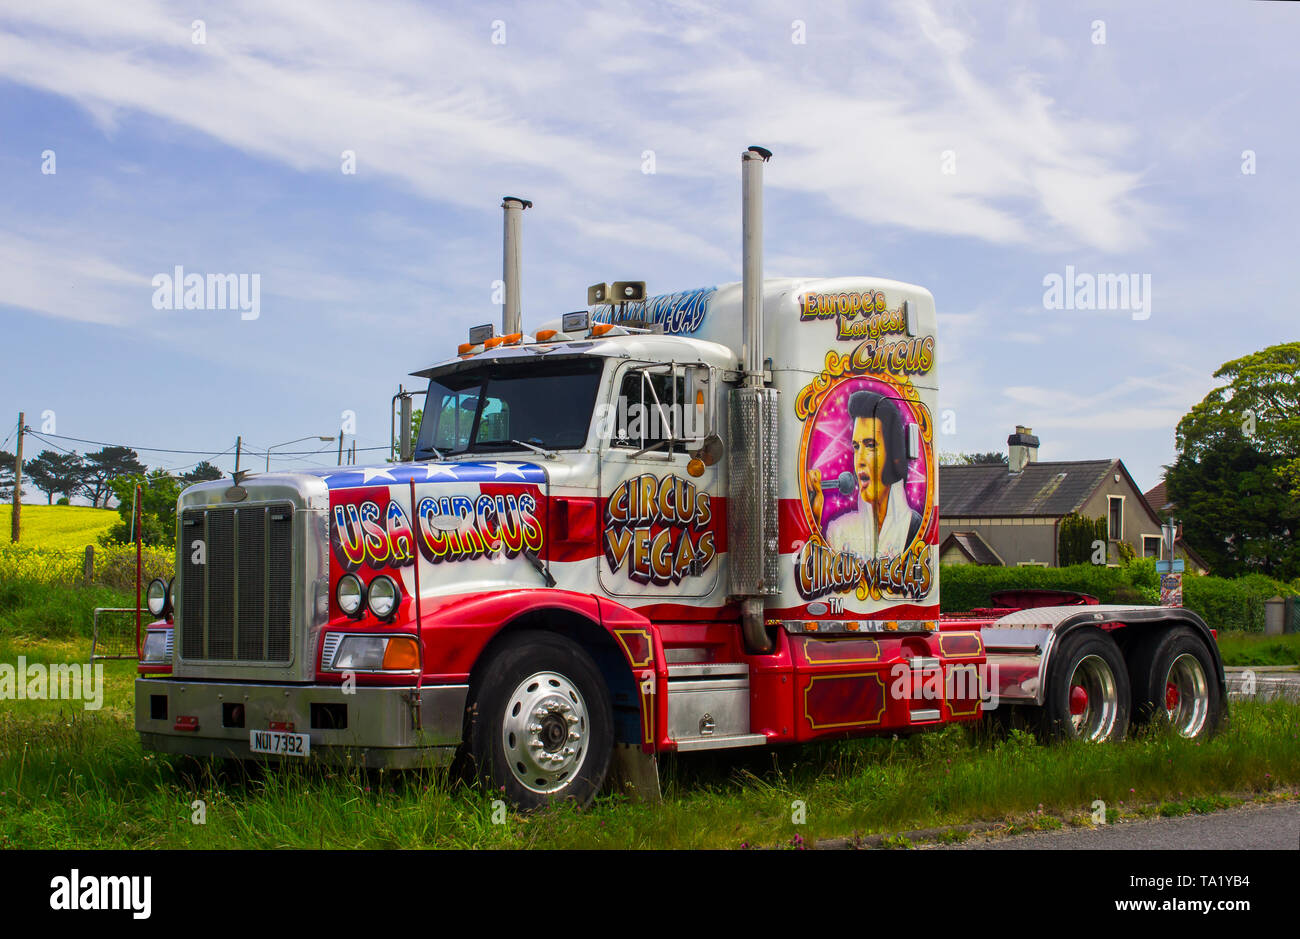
{"points": [[700, 520]]}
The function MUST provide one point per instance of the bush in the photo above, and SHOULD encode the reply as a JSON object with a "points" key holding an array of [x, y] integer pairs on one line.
{"points": [[1224, 604], [114, 565], [968, 586], [1077, 537]]}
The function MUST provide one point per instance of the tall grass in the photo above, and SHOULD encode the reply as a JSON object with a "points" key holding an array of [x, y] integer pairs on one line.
{"points": [[72, 778], [1255, 649]]}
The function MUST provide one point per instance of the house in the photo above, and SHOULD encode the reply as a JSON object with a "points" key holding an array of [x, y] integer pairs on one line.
{"points": [[1158, 499], [1010, 513]]}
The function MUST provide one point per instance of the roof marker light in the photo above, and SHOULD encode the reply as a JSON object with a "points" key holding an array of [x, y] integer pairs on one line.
{"points": [[493, 342], [601, 328], [545, 334]]}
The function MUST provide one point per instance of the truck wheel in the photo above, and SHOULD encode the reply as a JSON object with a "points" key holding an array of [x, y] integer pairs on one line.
{"points": [[1174, 684], [541, 726], [1087, 696]]}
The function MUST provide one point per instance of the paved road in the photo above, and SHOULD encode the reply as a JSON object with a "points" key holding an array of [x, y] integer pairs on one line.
{"points": [[1271, 826], [1263, 683]]}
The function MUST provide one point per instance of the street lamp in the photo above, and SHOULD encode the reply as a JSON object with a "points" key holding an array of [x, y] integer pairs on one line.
{"points": [[287, 442]]}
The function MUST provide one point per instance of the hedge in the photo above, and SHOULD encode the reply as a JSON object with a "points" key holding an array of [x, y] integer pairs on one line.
{"points": [[1224, 604], [114, 565]]}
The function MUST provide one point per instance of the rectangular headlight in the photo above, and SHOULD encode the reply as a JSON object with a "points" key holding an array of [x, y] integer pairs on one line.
{"points": [[360, 653], [156, 642]]}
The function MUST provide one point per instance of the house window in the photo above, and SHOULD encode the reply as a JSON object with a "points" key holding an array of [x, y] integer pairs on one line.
{"points": [[1031, 564], [1115, 519], [1151, 546]]}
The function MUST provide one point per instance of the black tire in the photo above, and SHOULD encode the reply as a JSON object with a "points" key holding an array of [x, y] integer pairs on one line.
{"points": [[1179, 658], [567, 755], [1090, 660]]}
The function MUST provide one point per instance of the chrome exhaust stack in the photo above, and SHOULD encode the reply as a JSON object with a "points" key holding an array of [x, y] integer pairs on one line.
{"points": [[511, 309], [753, 543], [751, 239]]}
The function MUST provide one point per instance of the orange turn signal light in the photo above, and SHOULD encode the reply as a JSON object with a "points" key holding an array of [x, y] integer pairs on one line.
{"points": [[464, 348], [545, 334], [402, 654], [512, 339], [601, 328], [493, 342]]}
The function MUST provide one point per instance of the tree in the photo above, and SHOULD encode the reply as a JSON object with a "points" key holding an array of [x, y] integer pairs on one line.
{"points": [[7, 461], [972, 459], [106, 465], [202, 472], [1236, 474], [159, 491], [55, 473], [1076, 537]]}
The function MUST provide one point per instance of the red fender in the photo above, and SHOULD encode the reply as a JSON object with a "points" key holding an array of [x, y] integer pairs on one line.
{"points": [[458, 629]]}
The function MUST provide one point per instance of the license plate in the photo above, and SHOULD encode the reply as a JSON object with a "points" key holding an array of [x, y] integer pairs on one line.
{"points": [[279, 743]]}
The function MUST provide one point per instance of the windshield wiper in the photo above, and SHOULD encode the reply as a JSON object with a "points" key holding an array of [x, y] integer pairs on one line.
{"points": [[549, 454]]}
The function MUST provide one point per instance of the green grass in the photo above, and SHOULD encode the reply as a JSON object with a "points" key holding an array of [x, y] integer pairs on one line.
{"points": [[29, 609], [74, 778], [1253, 649], [59, 526]]}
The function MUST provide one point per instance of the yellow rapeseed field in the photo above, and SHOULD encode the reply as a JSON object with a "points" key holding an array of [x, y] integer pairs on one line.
{"points": [[58, 526]]}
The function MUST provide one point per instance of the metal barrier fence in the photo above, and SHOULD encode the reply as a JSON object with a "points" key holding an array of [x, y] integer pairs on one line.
{"points": [[111, 640]]}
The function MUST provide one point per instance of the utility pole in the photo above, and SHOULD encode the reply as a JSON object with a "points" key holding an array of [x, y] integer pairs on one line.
{"points": [[340, 448], [238, 442], [18, 481]]}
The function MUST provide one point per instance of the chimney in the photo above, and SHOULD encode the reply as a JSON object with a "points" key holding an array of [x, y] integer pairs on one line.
{"points": [[1022, 449]]}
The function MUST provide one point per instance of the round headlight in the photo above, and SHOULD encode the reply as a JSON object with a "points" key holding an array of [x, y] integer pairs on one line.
{"points": [[348, 594], [382, 596], [156, 597]]}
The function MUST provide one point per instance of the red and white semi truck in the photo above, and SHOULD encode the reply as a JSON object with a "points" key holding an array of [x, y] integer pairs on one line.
{"points": [[702, 520]]}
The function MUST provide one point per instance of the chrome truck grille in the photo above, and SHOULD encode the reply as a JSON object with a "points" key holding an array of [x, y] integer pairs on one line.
{"points": [[252, 578], [236, 597]]}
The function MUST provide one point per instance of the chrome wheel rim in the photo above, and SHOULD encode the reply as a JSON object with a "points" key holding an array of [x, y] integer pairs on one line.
{"points": [[545, 731], [1094, 701], [1187, 695]]}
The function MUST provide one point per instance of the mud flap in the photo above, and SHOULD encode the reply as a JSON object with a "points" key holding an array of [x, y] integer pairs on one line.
{"points": [[635, 773]]}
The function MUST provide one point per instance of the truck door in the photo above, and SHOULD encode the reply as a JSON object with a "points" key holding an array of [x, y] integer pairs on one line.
{"points": [[662, 511]]}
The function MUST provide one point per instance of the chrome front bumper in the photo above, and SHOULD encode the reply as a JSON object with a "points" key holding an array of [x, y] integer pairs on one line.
{"points": [[380, 723]]}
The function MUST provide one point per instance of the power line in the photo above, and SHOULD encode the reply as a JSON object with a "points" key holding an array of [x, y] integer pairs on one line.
{"points": [[204, 453], [215, 456]]}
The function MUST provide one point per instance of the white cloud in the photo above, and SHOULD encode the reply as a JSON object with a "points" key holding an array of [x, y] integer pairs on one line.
{"points": [[565, 107], [56, 277]]}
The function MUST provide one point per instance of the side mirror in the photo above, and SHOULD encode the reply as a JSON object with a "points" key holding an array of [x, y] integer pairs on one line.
{"points": [[710, 450]]}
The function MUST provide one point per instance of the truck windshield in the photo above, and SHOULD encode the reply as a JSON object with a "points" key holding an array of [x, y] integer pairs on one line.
{"points": [[546, 404]]}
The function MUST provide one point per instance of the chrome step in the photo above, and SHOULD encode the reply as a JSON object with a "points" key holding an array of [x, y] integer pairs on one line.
{"points": [[720, 743], [690, 670]]}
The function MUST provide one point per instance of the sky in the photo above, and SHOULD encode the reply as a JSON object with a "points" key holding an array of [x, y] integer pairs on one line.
{"points": [[353, 157]]}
